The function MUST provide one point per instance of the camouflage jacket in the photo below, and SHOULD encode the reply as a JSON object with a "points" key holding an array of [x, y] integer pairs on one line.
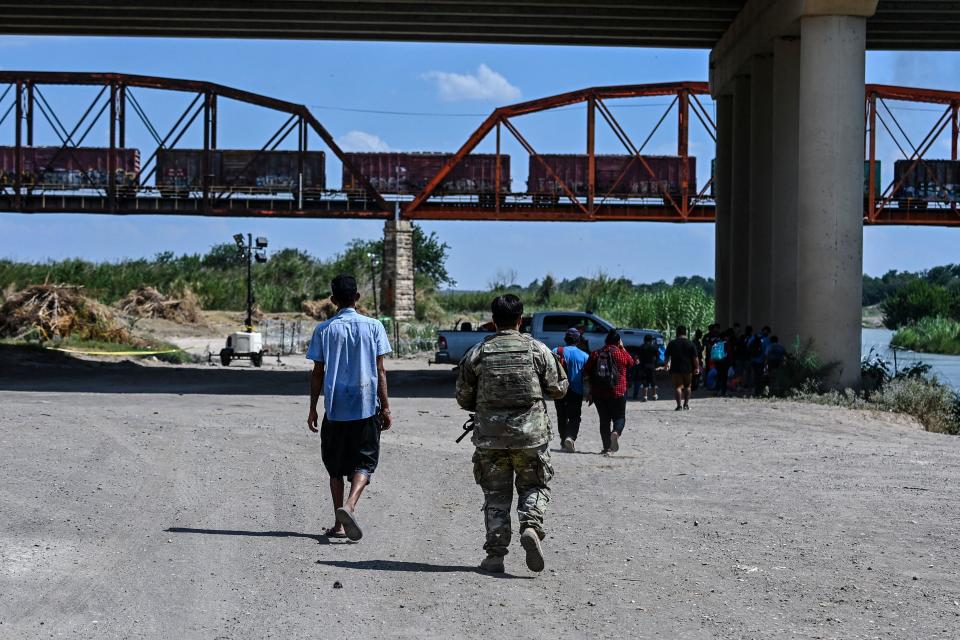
{"points": [[505, 380]]}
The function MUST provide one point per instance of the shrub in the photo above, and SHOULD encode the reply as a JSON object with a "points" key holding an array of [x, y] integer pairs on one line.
{"points": [[916, 300], [931, 335]]}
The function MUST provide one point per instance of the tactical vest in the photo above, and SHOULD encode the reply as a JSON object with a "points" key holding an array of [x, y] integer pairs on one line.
{"points": [[509, 380]]}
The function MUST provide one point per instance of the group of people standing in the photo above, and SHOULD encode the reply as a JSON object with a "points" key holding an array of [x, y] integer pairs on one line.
{"points": [[742, 361]]}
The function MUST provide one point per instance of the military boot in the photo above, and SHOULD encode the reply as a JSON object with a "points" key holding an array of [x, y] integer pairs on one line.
{"points": [[492, 564], [530, 542]]}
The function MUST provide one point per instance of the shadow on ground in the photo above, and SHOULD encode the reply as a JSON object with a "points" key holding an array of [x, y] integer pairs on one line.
{"points": [[24, 369]]}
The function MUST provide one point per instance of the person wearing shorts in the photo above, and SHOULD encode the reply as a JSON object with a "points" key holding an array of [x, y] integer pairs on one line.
{"points": [[648, 357], [683, 363], [348, 351]]}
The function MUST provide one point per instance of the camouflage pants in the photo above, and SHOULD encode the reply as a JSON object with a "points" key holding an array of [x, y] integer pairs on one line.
{"points": [[496, 471]]}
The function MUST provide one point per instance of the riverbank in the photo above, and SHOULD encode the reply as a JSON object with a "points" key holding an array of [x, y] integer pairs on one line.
{"points": [[930, 335]]}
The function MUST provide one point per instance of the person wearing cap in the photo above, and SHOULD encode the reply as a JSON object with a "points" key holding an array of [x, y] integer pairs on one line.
{"points": [[570, 406], [347, 351]]}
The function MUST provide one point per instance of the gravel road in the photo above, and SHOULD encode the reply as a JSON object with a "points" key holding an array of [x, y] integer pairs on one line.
{"points": [[187, 502]]}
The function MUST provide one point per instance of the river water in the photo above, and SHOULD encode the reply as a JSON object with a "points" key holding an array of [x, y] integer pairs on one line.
{"points": [[946, 368]]}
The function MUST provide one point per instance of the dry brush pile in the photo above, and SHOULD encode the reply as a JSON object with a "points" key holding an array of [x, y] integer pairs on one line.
{"points": [[54, 311], [147, 302]]}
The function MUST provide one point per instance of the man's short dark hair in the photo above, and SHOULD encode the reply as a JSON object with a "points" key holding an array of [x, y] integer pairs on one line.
{"points": [[774, 339], [613, 337], [681, 330], [344, 289], [648, 338], [507, 310]]}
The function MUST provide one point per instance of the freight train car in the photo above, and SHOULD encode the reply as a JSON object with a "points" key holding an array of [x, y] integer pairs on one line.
{"points": [[409, 173], [927, 181], [621, 176], [68, 168], [180, 172]]}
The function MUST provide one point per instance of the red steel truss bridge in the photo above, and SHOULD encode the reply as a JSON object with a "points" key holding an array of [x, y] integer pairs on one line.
{"points": [[923, 190]]}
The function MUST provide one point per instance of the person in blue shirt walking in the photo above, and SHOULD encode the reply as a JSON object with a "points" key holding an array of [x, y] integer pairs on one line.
{"points": [[569, 407], [347, 351]]}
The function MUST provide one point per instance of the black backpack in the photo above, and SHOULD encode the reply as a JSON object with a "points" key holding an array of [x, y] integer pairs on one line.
{"points": [[605, 373]]}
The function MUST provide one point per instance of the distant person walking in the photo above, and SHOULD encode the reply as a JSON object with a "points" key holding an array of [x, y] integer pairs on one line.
{"points": [[606, 376], [721, 349], [648, 358], [347, 351], [505, 381], [570, 406], [683, 363]]}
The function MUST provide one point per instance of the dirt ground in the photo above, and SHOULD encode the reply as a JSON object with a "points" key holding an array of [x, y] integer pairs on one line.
{"points": [[154, 501]]}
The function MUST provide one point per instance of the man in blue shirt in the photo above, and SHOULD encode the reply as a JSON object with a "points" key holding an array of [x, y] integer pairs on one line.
{"points": [[347, 351], [569, 407]]}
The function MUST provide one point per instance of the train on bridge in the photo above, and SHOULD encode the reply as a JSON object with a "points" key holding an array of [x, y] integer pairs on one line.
{"points": [[179, 173]]}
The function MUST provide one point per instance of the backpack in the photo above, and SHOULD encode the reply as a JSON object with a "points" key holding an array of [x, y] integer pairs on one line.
{"points": [[718, 351], [605, 373], [509, 379], [563, 361]]}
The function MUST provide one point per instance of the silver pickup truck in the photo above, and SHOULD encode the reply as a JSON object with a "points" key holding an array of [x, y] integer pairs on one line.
{"points": [[548, 327]]}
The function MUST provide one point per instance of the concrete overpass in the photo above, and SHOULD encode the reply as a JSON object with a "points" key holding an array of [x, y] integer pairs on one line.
{"points": [[897, 24], [788, 76]]}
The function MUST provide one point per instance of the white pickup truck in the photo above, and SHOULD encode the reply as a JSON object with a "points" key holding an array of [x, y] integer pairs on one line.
{"points": [[548, 327]]}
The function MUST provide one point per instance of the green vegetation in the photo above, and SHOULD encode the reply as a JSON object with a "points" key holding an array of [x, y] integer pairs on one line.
{"points": [[662, 306], [911, 391], [289, 277], [930, 335], [924, 308]]}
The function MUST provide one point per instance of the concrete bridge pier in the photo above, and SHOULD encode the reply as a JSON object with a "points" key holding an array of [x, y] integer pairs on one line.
{"points": [[830, 188], [788, 76], [396, 279]]}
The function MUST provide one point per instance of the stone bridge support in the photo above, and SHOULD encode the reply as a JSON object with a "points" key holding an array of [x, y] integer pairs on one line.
{"points": [[396, 278]]}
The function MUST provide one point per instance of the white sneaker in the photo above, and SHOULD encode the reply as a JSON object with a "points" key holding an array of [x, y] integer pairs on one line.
{"points": [[568, 445], [614, 442]]}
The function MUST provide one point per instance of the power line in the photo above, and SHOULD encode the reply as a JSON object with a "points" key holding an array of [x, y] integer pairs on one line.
{"points": [[439, 114]]}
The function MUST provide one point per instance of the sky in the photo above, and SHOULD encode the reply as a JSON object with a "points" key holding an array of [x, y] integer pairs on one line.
{"points": [[429, 97]]}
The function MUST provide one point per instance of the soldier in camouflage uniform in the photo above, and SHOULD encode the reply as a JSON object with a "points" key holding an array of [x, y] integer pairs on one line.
{"points": [[505, 380]]}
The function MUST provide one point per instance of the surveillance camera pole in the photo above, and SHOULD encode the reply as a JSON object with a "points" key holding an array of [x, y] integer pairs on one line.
{"points": [[249, 252]]}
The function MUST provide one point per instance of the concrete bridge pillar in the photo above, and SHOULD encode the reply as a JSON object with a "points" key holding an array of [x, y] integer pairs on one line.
{"points": [[396, 278], [796, 183], [786, 138], [738, 251], [761, 191], [830, 188], [721, 189]]}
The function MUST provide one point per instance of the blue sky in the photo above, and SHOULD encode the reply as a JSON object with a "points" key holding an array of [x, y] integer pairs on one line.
{"points": [[461, 82]]}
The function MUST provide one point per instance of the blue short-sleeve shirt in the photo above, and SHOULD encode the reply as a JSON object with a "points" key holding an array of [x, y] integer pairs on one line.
{"points": [[348, 345]]}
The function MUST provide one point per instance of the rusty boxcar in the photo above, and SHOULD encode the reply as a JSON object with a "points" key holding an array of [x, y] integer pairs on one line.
{"points": [[180, 171], [620, 176], [927, 181], [409, 173], [68, 168]]}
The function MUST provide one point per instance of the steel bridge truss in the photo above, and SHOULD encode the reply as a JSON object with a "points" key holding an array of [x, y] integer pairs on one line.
{"points": [[23, 100], [116, 99], [889, 205], [686, 205]]}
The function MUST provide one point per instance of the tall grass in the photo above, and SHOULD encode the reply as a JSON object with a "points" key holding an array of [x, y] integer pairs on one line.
{"points": [[618, 300], [930, 335]]}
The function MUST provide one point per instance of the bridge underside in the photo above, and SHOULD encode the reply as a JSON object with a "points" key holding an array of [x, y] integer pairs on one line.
{"points": [[917, 24]]}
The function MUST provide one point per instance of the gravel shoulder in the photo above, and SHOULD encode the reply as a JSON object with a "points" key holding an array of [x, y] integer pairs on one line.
{"points": [[155, 501]]}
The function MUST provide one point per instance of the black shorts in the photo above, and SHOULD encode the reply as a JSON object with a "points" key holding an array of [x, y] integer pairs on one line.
{"points": [[350, 447], [648, 377]]}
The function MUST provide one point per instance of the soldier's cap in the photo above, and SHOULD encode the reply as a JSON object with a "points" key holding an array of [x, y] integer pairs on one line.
{"points": [[573, 332]]}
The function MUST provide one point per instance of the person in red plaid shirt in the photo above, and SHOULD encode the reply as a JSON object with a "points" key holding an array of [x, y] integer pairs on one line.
{"points": [[605, 382]]}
